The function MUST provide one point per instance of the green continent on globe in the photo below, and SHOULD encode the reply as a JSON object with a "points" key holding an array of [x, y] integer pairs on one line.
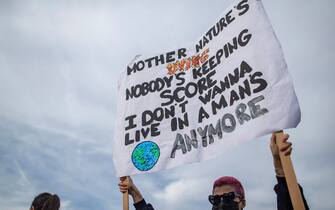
{"points": [[145, 155]]}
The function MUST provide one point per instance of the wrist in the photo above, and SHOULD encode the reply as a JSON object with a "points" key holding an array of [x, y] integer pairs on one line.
{"points": [[132, 192], [278, 166], [137, 197], [279, 172], [277, 162], [135, 194], [276, 157]]}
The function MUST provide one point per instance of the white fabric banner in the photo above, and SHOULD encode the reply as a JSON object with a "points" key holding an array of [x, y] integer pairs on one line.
{"points": [[192, 104]]}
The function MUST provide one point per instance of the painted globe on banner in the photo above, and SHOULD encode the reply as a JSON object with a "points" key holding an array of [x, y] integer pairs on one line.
{"points": [[145, 155]]}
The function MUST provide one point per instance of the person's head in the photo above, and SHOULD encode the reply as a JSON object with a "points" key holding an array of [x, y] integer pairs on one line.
{"points": [[228, 193], [45, 201]]}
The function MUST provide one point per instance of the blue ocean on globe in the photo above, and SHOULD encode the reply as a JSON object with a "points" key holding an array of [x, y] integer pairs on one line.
{"points": [[145, 155]]}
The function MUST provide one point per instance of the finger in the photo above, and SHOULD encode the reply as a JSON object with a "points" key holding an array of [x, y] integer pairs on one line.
{"points": [[286, 137], [124, 180], [288, 152], [285, 146], [123, 191], [123, 188], [283, 138], [273, 139]]}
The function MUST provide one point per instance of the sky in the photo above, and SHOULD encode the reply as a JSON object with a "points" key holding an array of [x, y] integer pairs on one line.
{"points": [[59, 65]]}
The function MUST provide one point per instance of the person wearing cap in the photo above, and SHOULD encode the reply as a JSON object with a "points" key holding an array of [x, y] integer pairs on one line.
{"points": [[228, 192]]}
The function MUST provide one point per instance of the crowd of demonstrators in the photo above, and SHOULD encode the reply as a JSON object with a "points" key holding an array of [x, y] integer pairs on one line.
{"points": [[228, 192]]}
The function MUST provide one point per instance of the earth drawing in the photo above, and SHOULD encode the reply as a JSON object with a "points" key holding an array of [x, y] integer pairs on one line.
{"points": [[145, 155]]}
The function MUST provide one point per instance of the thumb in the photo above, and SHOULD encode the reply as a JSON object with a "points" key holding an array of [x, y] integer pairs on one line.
{"points": [[124, 179], [273, 139]]}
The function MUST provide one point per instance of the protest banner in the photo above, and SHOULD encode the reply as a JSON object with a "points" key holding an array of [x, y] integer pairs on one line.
{"points": [[194, 103]]}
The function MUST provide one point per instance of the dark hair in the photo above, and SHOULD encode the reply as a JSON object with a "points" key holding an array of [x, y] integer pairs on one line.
{"points": [[46, 201]]}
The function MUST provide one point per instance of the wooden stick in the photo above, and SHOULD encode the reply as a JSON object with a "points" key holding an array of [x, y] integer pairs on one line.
{"points": [[290, 177], [125, 196], [126, 201]]}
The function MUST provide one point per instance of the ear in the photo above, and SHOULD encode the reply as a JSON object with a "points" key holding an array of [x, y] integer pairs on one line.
{"points": [[32, 208]]}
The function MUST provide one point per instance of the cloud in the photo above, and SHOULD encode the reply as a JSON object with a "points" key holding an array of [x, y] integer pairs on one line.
{"points": [[59, 165], [187, 189]]}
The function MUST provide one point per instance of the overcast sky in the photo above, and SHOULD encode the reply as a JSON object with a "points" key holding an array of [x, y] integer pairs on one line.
{"points": [[59, 64]]}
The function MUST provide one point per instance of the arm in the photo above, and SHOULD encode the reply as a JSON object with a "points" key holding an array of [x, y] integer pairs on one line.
{"points": [[127, 184], [283, 196]]}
